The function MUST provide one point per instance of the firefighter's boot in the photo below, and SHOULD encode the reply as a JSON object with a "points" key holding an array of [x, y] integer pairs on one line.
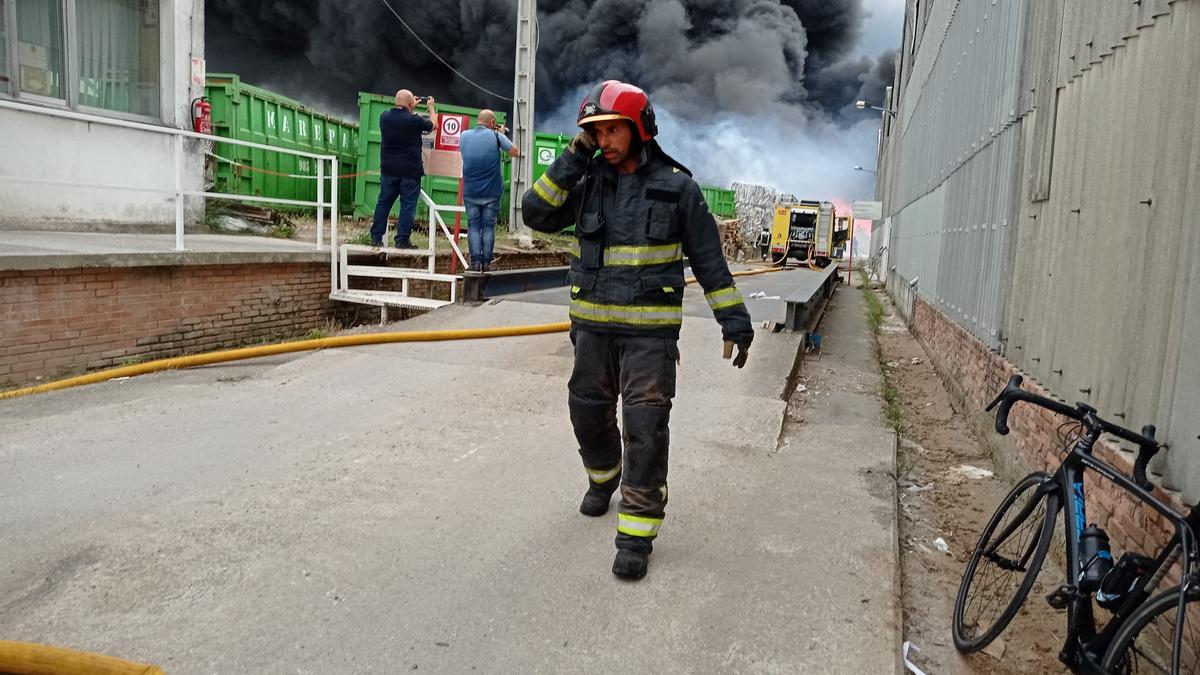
{"points": [[596, 499], [631, 564]]}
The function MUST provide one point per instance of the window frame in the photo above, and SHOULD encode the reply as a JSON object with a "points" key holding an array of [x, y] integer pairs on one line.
{"points": [[70, 68], [8, 7]]}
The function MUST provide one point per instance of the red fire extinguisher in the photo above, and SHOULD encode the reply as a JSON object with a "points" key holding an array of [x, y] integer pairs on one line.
{"points": [[201, 116]]}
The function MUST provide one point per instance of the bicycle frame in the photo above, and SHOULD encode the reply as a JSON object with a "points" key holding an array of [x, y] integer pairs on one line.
{"points": [[1084, 647]]}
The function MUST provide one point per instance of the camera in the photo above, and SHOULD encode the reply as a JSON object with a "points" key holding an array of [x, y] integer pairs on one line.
{"points": [[420, 99]]}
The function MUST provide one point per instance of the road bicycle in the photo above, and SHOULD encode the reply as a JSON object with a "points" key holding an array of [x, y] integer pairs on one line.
{"points": [[1146, 630]]}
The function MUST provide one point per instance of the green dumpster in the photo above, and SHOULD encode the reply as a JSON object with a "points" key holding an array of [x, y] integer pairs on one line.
{"points": [[248, 113], [720, 202]]}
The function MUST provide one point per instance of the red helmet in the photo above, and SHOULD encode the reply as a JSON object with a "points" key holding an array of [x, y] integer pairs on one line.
{"points": [[613, 100]]}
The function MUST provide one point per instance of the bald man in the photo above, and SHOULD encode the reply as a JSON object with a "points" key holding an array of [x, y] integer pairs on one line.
{"points": [[400, 165], [482, 148]]}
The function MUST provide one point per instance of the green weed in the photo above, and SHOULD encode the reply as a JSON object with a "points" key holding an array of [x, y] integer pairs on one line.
{"points": [[874, 309]]}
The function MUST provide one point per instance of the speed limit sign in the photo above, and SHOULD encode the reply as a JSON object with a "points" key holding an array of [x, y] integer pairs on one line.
{"points": [[450, 131]]}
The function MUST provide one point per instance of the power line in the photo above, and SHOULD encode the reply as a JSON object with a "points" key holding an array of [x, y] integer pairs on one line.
{"points": [[429, 49]]}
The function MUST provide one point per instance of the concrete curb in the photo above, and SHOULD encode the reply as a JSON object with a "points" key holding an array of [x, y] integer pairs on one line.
{"points": [[898, 579], [158, 259]]}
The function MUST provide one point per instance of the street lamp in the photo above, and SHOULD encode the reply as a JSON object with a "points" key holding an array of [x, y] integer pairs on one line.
{"points": [[862, 105], [859, 168]]}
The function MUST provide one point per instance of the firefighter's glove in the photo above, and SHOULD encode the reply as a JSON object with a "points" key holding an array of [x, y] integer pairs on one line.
{"points": [[743, 352], [583, 145]]}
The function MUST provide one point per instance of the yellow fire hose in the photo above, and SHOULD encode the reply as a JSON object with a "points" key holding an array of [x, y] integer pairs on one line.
{"points": [[227, 355], [24, 658]]}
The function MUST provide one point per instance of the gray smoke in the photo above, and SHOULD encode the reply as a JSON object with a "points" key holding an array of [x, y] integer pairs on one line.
{"points": [[850, 80], [706, 63]]}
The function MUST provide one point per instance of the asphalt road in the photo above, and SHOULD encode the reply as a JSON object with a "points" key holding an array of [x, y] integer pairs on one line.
{"points": [[413, 507]]}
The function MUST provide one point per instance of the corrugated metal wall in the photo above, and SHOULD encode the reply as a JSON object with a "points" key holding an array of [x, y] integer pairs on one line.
{"points": [[1043, 182], [960, 121], [1107, 286]]}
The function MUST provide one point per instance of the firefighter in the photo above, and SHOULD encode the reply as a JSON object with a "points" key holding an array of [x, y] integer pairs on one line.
{"points": [[637, 213]]}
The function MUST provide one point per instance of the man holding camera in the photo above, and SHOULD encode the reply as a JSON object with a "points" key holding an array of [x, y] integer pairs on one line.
{"points": [[481, 149], [400, 165]]}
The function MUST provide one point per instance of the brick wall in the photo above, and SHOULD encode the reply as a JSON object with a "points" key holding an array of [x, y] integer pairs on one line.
{"points": [[60, 322], [977, 374], [64, 321]]}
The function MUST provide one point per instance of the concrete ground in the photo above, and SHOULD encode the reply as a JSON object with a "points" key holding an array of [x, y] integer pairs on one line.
{"points": [[413, 506]]}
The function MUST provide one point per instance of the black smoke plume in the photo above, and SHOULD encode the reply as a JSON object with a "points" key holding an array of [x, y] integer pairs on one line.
{"points": [[695, 56], [770, 82]]}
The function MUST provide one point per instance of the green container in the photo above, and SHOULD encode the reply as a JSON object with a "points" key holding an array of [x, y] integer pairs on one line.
{"points": [[546, 149], [720, 202], [248, 113], [442, 189]]}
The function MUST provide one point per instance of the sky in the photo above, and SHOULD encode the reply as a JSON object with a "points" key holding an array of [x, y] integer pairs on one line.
{"points": [[883, 29], [883, 26]]}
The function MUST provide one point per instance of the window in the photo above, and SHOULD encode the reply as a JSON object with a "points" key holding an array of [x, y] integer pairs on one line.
{"points": [[118, 55], [87, 53], [4, 79], [40, 47], [916, 28]]}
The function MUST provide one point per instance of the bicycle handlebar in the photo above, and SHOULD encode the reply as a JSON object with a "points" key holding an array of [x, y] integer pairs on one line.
{"points": [[1013, 392], [1148, 447]]}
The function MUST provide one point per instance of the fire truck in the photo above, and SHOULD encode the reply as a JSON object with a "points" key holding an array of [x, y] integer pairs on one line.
{"points": [[808, 231]]}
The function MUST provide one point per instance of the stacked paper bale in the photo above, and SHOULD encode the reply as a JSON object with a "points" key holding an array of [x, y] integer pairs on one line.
{"points": [[755, 205]]}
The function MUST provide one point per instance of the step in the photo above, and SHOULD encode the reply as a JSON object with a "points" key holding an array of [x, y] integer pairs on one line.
{"points": [[387, 299], [398, 273], [376, 250]]}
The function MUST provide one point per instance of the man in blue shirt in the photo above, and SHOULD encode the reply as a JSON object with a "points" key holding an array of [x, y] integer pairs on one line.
{"points": [[400, 165], [481, 148]]}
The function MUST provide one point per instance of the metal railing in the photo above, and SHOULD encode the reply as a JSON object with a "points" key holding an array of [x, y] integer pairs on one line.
{"points": [[340, 281], [178, 192], [904, 294], [435, 213]]}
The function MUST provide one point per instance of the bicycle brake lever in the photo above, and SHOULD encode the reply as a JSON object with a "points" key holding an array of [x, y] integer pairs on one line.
{"points": [[1014, 384], [1005, 400], [1145, 454]]}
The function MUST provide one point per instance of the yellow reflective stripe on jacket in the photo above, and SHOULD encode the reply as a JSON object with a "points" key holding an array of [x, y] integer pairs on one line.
{"points": [[642, 255], [632, 256], [637, 526], [631, 315], [602, 476], [549, 192], [726, 297]]}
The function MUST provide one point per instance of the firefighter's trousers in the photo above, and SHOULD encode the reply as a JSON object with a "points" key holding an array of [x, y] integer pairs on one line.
{"points": [[641, 370]]}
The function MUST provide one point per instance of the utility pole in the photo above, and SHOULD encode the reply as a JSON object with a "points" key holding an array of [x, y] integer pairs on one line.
{"points": [[523, 86]]}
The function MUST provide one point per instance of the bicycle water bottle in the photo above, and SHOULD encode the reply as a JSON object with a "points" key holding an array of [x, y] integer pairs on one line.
{"points": [[1095, 556]]}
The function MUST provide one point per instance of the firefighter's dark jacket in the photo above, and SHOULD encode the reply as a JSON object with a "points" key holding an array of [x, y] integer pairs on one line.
{"points": [[633, 231]]}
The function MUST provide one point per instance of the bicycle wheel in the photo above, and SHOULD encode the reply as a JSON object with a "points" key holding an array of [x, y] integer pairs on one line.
{"points": [[1004, 564], [1143, 645]]}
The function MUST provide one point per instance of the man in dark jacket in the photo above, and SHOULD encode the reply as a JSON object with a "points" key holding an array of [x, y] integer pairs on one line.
{"points": [[400, 130], [637, 213]]}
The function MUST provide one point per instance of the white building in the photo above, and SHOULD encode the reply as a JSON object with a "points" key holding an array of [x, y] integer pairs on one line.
{"points": [[134, 60]]}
